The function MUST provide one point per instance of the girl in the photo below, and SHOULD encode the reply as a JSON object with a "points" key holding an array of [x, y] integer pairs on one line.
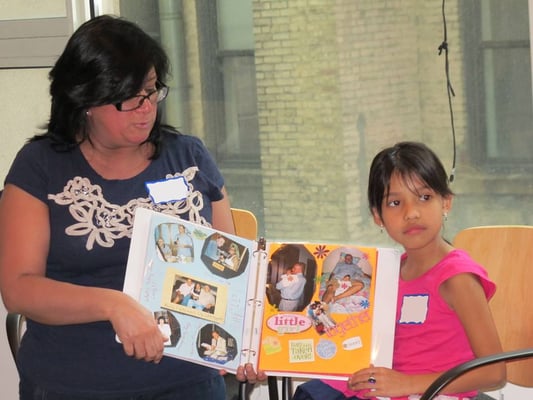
{"points": [[442, 317]]}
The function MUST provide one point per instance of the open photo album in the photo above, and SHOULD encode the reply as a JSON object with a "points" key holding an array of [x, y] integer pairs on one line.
{"points": [[291, 309]]}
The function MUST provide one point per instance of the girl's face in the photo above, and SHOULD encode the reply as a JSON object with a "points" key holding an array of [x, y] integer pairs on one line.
{"points": [[412, 213], [116, 129]]}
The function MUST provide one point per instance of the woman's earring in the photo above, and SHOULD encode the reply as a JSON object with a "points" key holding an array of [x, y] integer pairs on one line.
{"points": [[381, 228], [445, 216]]}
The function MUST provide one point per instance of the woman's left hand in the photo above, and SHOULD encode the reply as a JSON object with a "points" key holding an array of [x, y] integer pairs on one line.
{"points": [[247, 373]]}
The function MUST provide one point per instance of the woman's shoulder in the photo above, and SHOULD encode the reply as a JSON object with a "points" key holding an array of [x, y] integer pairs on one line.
{"points": [[38, 154], [35, 167], [188, 149], [35, 146], [44, 148], [173, 137]]}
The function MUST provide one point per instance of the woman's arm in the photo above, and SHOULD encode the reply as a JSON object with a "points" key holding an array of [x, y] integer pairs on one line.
{"points": [[222, 219], [24, 243]]}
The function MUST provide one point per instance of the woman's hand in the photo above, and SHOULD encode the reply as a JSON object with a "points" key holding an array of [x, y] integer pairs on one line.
{"points": [[137, 329], [247, 373]]}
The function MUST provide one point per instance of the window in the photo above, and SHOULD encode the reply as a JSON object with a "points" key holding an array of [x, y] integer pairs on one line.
{"points": [[498, 74], [240, 139]]}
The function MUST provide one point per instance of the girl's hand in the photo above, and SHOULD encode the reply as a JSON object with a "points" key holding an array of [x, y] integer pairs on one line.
{"points": [[137, 329], [379, 382]]}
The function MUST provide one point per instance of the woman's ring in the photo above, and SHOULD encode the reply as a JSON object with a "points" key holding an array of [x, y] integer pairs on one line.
{"points": [[371, 379]]}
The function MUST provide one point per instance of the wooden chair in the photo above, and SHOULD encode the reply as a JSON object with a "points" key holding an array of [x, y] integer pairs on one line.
{"points": [[506, 252], [245, 223]]}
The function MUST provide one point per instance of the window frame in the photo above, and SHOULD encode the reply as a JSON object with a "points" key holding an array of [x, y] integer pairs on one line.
{"points": [[35, 42]]}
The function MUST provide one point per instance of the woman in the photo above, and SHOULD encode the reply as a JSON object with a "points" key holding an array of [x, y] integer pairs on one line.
{"points": [[67, 212]]}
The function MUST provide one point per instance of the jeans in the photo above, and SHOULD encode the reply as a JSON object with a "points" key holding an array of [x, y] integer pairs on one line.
{"points": [[212, 389]]}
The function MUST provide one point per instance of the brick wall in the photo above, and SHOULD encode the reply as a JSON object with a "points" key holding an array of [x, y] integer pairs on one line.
{"points": [[337, 81]]}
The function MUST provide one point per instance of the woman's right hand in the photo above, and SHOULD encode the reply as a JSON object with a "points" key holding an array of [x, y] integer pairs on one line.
{"points": [[137, 329]]}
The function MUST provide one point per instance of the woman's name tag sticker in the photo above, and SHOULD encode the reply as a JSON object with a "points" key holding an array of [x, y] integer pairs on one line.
{"points": [[168, 190]]}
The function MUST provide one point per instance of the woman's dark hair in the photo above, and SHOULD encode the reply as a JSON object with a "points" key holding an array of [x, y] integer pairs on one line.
{"points": [[105, 61], [409, 160]]}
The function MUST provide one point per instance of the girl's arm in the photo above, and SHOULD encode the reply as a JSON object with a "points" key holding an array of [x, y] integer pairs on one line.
{"points": [[465, 295], [24, 243]]}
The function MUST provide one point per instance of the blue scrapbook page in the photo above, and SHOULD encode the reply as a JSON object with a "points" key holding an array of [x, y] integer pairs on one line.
{"points": [[199, 283]]}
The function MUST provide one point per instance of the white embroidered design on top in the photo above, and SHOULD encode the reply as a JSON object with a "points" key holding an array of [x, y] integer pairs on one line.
{"points": [[103, 222]]}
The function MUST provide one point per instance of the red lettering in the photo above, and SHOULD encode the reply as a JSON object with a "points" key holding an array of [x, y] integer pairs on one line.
{"points": [[352, 322]]}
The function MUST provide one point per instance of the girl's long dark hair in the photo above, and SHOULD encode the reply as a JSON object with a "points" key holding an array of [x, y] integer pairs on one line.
{"points": [[105, 61]]}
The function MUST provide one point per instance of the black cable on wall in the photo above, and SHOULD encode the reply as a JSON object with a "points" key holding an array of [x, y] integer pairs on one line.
{"points": [[449, 88]]}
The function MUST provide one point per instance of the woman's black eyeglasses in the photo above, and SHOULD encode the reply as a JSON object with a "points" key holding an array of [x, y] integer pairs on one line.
{"points": [[154, 97]]}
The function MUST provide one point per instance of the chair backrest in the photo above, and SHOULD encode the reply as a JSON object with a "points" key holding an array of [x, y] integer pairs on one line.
{"points": [[245, 223], [14, 329], [506, 252], [455, 372]]}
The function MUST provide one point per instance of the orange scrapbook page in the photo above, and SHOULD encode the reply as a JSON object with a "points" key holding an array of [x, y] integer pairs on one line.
{"points": [[290, 309], [321, 310]]}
